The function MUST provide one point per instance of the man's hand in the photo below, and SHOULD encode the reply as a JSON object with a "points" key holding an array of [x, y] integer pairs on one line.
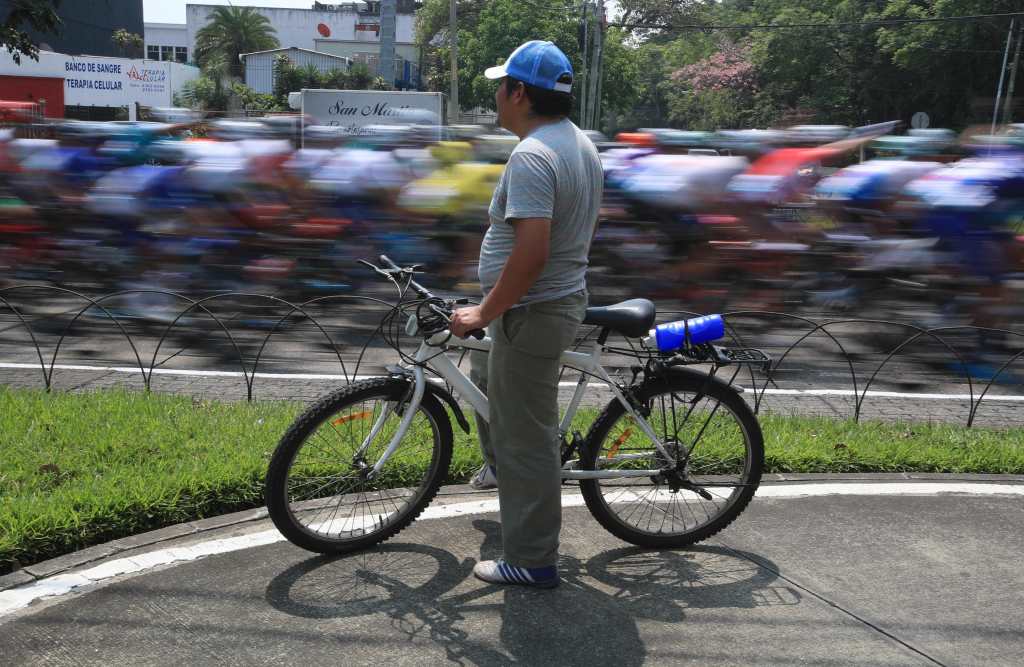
{"points": [[524, 265], [465, 320]]}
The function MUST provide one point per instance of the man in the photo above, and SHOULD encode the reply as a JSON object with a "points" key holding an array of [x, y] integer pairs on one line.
{"points": [[533, 264]]}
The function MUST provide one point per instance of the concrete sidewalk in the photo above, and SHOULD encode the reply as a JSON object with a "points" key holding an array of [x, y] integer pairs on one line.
{"points": [[862, 570]]}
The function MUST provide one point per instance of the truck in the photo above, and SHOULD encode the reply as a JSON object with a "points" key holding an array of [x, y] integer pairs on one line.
{"points": [[359, 112]]}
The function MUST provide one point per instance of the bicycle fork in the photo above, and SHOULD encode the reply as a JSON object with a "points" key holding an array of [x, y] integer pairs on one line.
{"points": [[412, 406]]}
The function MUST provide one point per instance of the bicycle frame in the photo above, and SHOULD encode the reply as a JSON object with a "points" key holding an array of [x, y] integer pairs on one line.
{"points": [[432, 353]]}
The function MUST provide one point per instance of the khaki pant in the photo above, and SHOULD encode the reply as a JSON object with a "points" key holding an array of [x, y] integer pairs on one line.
{"points": [[520, 378]]}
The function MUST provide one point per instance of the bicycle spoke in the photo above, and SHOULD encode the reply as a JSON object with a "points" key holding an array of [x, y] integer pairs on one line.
{"points": [[331, 495], [710, 451]]}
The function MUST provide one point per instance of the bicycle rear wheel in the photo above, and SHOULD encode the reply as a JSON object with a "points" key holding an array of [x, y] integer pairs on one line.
{"points": [[319, 490], [703, 423]]}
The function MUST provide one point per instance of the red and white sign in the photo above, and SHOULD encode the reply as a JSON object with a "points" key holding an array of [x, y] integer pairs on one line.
{"points": [[323, 29]]}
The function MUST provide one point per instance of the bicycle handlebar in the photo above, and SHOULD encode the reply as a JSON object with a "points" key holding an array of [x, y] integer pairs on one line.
{"points": [[422, 291]]}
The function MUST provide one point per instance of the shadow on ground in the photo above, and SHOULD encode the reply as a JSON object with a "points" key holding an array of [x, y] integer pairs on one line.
{"points": [[597, 605]]}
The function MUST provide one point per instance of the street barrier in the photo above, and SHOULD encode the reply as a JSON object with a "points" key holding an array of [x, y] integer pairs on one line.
{"points": [[858, 354]]}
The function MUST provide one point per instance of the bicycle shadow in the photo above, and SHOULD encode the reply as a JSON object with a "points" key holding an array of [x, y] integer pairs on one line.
{"points": [[426, 592]]}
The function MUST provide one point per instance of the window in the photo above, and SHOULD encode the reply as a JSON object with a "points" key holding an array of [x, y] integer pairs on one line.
{"points": [[181, 54], [153, 52], [166, 53]]}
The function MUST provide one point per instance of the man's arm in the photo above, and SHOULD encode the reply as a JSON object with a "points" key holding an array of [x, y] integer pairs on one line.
{"points": [[523, 267]]}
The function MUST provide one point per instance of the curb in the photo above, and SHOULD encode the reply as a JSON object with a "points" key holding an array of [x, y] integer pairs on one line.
{"points": [[47, 568]]}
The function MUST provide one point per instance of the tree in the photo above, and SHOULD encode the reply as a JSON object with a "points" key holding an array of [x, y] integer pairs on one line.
{"points": [[334, 79], [718, 91], [432, 28], [250, 100], [658, 17], [489, 30], [39, 15], [202, 93], [948, 66], [288, 78], [128, 43], [359, 77], [233, 31]]}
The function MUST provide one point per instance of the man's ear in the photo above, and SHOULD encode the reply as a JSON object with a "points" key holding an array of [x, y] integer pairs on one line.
{"points": [[519, 94]]}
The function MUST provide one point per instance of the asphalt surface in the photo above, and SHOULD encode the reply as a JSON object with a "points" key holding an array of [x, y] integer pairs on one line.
{"points": [[920, 577]]}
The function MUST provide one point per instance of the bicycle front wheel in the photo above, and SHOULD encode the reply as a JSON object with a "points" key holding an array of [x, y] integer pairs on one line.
{"points": [[706, 427], [321, 491]]}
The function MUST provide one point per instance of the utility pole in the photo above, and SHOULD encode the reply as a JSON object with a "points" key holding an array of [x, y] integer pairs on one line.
{"points": [[1008, 103], [1002, 73], [583, 75], [388, 9], [595, 69], [596, 104], [453, 38]]}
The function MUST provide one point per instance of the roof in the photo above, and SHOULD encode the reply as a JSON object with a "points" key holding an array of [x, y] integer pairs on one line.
{"points": [[243, 56]]}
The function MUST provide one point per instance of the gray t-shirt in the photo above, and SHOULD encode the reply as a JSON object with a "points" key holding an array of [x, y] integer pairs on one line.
{"points": [[554, 173]]}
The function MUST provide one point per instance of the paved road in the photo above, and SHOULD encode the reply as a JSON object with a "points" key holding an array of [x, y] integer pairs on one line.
{"points": [[817, 580]]}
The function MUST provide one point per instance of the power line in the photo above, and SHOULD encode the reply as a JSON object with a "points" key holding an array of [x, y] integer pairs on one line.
{"points": [[842, 24], [558, 9]]}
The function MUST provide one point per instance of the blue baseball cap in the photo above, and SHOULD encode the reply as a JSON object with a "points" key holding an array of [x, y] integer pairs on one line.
{"points": [[537, 63]]}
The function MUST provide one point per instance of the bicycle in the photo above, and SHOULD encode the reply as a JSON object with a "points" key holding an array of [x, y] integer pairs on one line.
{"points": [[362, 463]]}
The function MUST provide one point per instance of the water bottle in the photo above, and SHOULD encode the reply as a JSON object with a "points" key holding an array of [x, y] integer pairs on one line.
{"points": [[674, 335]]}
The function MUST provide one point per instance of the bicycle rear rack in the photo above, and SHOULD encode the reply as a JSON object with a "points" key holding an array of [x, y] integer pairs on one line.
{"points": [[722, 356]]}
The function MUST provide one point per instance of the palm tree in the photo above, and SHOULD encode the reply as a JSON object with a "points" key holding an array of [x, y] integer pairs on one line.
{"points": [[231, 31]]}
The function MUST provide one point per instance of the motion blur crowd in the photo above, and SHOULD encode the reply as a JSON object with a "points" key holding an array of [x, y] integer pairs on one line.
{"points": [[925, 226]]}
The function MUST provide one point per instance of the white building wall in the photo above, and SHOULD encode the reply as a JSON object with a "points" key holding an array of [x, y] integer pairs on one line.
{"points": [[166, 34], [298, 27], [105, 82], [351, 49], [162, 36]]}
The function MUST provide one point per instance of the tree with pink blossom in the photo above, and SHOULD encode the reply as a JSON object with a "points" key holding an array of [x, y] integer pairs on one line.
{"points": [[718, 91], [730, 68]]}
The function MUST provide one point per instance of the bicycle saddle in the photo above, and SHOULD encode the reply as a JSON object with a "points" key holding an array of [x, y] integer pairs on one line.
{"points": [[633, 318]]}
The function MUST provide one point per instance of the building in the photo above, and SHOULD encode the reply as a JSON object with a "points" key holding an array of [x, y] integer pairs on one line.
{"points": [[91, 87], [168, 41], [349, 30], [88, 26], [259, 66]]}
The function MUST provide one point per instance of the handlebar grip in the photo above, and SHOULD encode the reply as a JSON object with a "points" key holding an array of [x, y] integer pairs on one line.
{"points": [[477, 333]]}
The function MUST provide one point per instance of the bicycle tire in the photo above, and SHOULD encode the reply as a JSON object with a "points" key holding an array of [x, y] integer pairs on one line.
{"points": [[300, 518], [614, 514]]}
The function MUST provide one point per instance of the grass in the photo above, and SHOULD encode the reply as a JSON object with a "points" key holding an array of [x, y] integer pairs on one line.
{"points": [[81, 469]]}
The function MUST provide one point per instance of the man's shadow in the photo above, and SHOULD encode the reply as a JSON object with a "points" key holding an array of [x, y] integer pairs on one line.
{"points": [[594, 612]]}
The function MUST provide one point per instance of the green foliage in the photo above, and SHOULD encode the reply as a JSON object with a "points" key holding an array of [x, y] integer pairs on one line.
{"points": [[202, 93], [847, 74], [288, 78], [359, 77], [233, 31], [253, 101], [851, 74], [334, 78], [488, 33], [128, 43], [82, 469], [501, 26], [38, 15]]}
